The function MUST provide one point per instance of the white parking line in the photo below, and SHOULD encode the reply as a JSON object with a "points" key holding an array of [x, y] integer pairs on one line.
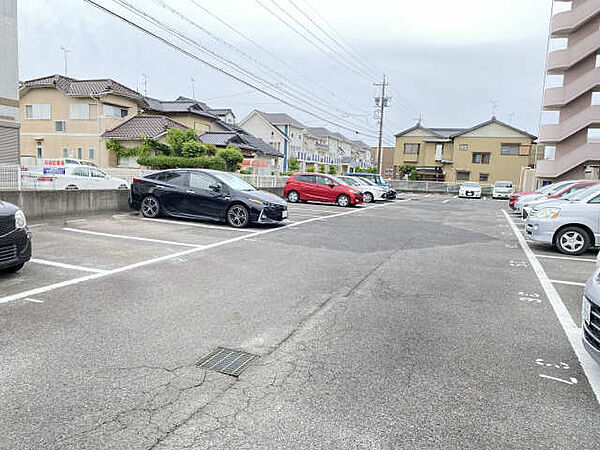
{"points": [[195, 224], [573, 332], [570, 283], [65, 266], [51, 287], [446, 201], [33, 300], [133, 238], [568, 258]]}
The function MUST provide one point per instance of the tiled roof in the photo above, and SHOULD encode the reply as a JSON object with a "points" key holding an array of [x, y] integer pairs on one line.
{"points": [[450, 133], [281, 119], [138, 126], [447, 132], [241, 139], [71, 86], [181, 105]]}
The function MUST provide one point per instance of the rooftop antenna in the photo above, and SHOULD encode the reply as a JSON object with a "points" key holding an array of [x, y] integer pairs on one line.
{"points": [[66, 52], [193, 88], [419, 119], [511, 117], [145, 77], [494, 104]]}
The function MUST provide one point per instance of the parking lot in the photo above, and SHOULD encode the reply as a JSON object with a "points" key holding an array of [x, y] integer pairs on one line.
{"points": [[427, 322]]}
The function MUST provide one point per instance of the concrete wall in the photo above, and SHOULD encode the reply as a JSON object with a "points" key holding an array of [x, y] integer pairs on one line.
{"points": [[46, 204]]}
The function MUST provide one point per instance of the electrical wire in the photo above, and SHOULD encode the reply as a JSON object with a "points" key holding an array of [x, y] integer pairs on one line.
{"points": [[219, 69]]}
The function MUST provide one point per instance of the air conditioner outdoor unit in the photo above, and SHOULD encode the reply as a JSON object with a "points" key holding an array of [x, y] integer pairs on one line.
{"points": [[592, 172]]}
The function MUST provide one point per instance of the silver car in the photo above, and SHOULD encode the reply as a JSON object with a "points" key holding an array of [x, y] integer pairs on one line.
{"points": [[572, 225], [554, 188], [590, 312]]}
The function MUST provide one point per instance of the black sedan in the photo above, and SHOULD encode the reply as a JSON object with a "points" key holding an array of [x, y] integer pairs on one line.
{"points": [[15, 238], [205, 194]]}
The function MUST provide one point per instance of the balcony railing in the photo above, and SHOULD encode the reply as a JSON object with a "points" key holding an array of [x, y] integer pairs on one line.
{"points": [[564, 163], [560, 96], [566, 22], [561, 131], [561, 60]]}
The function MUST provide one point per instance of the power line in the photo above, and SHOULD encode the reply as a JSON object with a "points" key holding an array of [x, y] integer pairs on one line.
{"points": [[271, 54], [290, 26], [217, 68], [227, 62]]}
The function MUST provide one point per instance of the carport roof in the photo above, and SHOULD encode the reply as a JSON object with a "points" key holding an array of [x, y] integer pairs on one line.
{"points": [[138, 126]]}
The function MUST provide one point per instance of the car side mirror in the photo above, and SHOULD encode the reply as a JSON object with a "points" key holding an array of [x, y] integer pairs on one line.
{"points": [[331, 185], [215, 187]]}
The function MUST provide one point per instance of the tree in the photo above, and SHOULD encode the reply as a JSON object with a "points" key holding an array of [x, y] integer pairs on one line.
{"points": [[332, 170], [414, 174], [372, 170], [293, 164], [232, 157], [321, 168], [193, 149], [310, 169], [176, 138]]}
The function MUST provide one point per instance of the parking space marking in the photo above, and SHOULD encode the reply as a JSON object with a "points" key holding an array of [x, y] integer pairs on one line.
{"points": [[569, 258], [33, 300], [200, 225], [571, 382], [446, 201], [51, 287], [570, 283], [573, 332], [133, 238], [64, 266]]}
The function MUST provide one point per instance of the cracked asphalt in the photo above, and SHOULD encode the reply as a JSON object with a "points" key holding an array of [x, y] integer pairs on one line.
{"points": [[393, 327]]}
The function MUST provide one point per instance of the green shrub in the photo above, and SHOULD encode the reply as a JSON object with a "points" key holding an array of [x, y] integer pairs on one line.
{"points": [[246, 172], [174, 162], [231, 156], [293, 164], [414, 174], [372, 170], [310, 169], [193, 149], [321, 168], [333, 170]]}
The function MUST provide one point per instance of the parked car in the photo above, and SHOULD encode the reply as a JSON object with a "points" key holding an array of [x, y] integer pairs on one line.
{"points": [[573, 225], [554, 189], [377, 179], [205, 194], [512, 200], [470, 189], [370, 191], [590, 312], [15, 238], [502, 189], [321, 188], [564, 193], [75, 177]]}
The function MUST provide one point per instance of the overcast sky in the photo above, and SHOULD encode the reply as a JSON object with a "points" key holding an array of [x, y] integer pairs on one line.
{"points": [[446, 60]]}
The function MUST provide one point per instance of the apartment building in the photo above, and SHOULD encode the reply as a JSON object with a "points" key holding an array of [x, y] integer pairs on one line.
{"points": [[9, 84], [64, 117], [570, 129], [487, 152]]}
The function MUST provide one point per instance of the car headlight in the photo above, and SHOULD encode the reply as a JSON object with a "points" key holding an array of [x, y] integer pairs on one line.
{"points": [[20, 220], [548, 213]]}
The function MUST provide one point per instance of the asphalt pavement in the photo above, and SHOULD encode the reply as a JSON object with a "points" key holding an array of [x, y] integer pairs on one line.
{"points": [[415, 324]]}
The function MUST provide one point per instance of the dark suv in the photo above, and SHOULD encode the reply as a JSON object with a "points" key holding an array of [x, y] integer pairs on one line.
{"points": [[15, 238]]}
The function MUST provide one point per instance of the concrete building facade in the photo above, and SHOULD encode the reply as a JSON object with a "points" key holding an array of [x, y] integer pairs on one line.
{"points": [[9, 83], [570, 129]]}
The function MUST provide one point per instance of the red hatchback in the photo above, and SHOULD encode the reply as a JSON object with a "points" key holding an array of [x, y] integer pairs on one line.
{"points": [[320, 188]]}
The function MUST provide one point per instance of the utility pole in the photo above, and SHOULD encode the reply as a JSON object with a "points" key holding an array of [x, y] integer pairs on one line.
{"points": [[145, 77], [193, 88], [382, 103], [66, 51]]}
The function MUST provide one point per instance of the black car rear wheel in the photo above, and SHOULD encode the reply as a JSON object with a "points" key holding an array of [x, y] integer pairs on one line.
{"points": [[150, 207], [238, 216]]}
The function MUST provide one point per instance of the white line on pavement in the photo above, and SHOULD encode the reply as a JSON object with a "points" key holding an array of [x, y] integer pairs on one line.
{"points": [[51, 287], [570, 283], [571, 382], [569, 258], [446, 201], [33, 300], [573, 332], [133, 238], [195, 224], [65, 266]]}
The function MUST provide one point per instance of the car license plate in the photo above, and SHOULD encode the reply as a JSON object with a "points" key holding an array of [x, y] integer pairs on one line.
{"points": [[469, 193], [284, 214], [586, 311]]}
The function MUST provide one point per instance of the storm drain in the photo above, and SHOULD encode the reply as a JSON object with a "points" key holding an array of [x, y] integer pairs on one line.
{"points": [[227, 361]]}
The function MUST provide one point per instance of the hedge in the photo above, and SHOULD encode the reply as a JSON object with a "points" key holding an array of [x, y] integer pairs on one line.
{"points": [[174, 162]]}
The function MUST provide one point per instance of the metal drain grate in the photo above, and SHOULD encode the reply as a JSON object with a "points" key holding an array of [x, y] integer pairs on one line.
{"points": [[227, 361]]}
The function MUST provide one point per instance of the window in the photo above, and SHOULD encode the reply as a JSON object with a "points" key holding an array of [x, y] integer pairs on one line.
{"points": [[97, 173], [81, 172], [91, 154], [481, 158], [484, 177], [60, 126], [549, 152], [325, 181], [509, 149], [595, 200], [80, 111], [598, 60], [39, 152], [558, 44], [115, 112], [554, 81], [550, 117], [463, 176], [38, 112], [201, 181], [411, 149], [65, 152], [305, 178], [79, 153], [593, 134], [463, 147]]}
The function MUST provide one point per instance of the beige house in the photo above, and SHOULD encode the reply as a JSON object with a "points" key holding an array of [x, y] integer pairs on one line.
{"points": [[488, 152], [64, 117], [186, 111]]}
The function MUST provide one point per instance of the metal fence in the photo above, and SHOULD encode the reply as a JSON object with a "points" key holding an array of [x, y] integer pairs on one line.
{"points": [[264, 181], [10, 177], [434, 187]]}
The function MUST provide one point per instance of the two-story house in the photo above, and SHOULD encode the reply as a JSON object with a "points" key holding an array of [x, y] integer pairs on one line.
{"points": [[487, 152], [282, 132], [63, 117], [191, 113]]}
